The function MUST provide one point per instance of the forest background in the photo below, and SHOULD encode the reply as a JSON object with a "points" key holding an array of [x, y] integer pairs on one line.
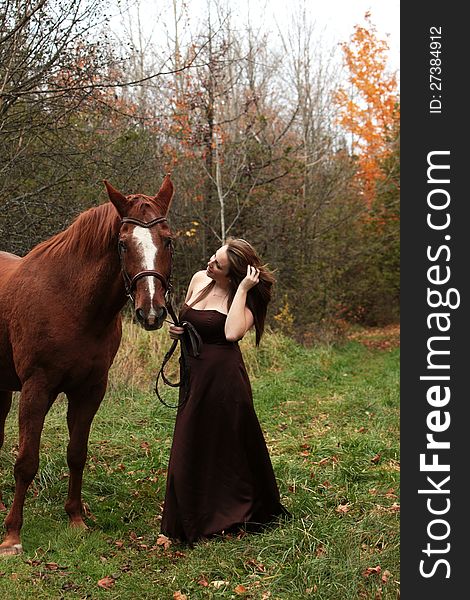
{"points": [[292, 146]]}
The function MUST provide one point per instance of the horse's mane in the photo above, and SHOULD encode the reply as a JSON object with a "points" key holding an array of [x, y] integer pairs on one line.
{"points": [[91, 231]]}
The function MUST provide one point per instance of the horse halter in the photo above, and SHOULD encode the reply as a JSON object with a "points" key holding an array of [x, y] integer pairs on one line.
{"points": [[129, 283]]}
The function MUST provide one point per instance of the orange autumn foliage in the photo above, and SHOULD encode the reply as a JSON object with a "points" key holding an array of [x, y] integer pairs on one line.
{"points": [[370, 109]]}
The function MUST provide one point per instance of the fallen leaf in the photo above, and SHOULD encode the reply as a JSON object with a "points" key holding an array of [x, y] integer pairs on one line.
{"points": [[386, 574], [240, 589], [107, 582], [203, 581], [162, 540], [146, 447], [33, 563], [52, 566], [179, 596], [343, 508], [219, 583], [371, 570], [376, 458], [257, 565]]}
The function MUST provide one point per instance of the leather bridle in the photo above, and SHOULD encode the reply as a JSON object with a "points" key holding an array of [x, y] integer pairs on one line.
{"points": [[130, 282], [191, 343]]}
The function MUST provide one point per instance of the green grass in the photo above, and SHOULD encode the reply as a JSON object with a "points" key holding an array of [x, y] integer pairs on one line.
{"points": [[330, 417]]}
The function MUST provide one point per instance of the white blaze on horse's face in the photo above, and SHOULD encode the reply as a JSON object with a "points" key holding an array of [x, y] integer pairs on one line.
{"points": [[148, 253]]}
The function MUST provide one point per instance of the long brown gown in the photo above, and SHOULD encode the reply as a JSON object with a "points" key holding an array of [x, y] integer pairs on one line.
{"points": [[219, 475]]}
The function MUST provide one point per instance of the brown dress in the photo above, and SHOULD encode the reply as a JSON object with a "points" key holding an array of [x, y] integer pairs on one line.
{"points": [[219, 474]]}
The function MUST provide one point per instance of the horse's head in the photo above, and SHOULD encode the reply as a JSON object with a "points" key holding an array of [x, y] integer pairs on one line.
{"points": [[145, 250]]}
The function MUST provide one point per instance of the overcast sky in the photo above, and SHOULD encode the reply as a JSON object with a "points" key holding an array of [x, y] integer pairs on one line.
{"points": [[334, 19]]}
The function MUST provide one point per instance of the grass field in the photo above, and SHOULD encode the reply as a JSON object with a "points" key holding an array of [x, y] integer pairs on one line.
{"points": [[331, 422]]}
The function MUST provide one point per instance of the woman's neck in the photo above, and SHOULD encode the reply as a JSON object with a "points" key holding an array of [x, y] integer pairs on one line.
{"points": [[220, 289]]}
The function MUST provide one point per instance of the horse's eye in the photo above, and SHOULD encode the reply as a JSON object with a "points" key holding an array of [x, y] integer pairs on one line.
{"points": [[122, 246], [167, 242]]}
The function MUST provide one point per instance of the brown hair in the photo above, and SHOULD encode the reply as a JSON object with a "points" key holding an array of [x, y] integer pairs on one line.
{"points": [[240, 254]]}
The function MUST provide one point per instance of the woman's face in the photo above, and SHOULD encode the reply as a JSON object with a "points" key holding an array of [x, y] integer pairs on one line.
{"points": [[218, 265]]}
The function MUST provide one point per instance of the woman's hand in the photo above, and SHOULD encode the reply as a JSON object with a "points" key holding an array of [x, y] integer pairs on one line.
{"points": [[176, 332], [251, 279]]}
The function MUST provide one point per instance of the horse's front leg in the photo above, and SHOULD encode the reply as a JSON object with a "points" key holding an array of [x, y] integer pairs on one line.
{"points": [[35, 401], [83, 405], [5, 405]]}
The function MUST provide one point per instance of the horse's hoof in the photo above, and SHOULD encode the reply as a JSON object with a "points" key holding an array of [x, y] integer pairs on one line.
{"points": [[11, 550]]}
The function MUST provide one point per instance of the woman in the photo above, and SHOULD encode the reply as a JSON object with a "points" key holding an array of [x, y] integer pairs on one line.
{"points": [[220, 476]]}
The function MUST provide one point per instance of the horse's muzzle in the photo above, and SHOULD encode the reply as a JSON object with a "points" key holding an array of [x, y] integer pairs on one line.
{"points": [[152, 320]]}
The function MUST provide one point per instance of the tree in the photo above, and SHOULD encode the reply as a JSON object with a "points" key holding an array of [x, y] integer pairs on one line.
{"points": [[221, 120], [48, 62], [249, 133], [369, 110]]}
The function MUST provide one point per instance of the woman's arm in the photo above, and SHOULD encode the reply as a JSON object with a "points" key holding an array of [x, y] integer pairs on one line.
{"points": [[240, 318], [194, 284]]}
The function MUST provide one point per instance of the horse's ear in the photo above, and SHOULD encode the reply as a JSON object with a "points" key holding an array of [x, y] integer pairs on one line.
{"points": [[165, 193], [120, 202]]}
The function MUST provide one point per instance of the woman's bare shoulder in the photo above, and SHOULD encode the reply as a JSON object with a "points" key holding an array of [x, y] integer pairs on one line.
{"points": [[201, 276], [198, 281]]}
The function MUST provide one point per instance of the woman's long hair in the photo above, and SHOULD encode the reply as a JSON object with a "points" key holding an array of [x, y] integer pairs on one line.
{"points": [[240, 254]]}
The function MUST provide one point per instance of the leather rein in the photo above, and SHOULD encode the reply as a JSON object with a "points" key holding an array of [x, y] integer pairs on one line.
{"points": [[190, 340]]}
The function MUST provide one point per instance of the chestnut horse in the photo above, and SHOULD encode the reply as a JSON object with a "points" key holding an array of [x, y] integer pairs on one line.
{"points": [[60, 326]]}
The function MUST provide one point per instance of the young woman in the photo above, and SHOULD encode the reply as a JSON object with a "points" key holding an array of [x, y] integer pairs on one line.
{"points": [[220, 476]]}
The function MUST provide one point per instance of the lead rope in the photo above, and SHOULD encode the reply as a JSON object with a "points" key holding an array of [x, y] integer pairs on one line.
{"points": [[195, 341]]}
